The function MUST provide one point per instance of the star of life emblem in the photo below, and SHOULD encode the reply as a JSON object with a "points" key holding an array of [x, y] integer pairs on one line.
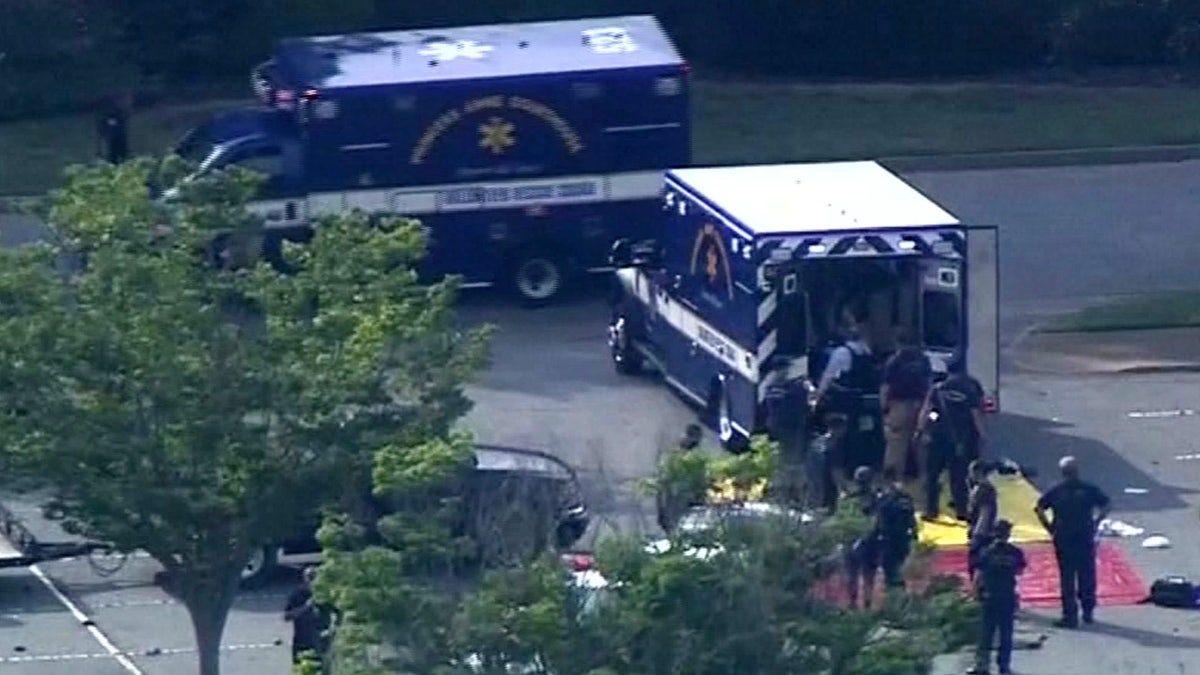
{"points": [[448, 51]]}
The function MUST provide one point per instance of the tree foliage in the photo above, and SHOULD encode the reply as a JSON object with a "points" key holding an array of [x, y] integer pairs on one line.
{"points": [[739, 597], [201, 414]]}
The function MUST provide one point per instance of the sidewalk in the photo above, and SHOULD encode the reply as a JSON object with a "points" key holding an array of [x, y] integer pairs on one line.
{"points": [[1111, 352]]}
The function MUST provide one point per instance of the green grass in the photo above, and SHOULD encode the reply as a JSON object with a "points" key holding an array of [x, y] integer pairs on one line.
{"points": [[739, 122], [1178, 309]]}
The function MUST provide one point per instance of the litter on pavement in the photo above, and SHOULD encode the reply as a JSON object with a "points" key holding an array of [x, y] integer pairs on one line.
{"points": [[1136, 491], [1110, 527], [1156, 541], [1159, 414]]}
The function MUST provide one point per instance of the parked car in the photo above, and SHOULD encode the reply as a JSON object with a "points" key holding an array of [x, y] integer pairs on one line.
{"points": [[517, 504]]}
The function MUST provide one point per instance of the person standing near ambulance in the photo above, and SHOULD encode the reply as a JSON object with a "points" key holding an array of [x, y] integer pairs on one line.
{"points": [[907, 376], [951, 421], [849, 376]]}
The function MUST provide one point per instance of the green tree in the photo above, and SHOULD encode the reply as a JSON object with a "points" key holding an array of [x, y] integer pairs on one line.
{"points": [[744, 596], [198, 414]]}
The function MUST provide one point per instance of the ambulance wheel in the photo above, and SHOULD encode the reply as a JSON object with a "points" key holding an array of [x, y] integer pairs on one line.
{"points": [[722, 419], [625, 357], [537, 276]]}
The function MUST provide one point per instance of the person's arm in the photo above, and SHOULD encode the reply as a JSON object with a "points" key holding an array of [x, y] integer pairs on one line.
{"points": [[1021, 562], [1102, 503], [839, 362], [1044, 503], [297, 604], [923, 415]]}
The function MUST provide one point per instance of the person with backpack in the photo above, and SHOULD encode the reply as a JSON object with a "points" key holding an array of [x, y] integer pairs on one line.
{"points": [[906, 380], [896, 528], [982, 513], [951, 424]]}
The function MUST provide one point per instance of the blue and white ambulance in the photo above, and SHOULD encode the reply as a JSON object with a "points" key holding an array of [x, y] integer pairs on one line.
{"points": [[745, 288], [525, 149]]}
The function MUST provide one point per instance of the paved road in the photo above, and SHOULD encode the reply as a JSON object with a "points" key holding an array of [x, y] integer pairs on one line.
{"points": [[1067, 234]]}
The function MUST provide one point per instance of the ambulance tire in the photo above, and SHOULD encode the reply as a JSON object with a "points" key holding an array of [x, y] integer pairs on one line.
{"points": [[626, 358], [720, 418], [537, 275]]}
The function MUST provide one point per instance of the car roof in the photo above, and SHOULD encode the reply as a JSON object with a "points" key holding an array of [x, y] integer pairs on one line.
{"points": [[475, 52], [501, 459], [776, 199]]}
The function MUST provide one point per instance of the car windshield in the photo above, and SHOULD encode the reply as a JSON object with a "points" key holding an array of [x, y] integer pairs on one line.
{"points": [[702, 518]]}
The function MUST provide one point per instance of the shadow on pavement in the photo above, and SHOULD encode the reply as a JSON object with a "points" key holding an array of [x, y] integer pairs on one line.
{"points": [[1040, 443], [1145, 638]]}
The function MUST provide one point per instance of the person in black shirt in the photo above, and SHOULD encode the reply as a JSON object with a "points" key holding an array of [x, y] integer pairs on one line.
{"points": [[906, 378], [952, 422], [112, 129], [982, 509], [996, 588], [896, 528], [311, 621], [1078, 508], [862, 554]]}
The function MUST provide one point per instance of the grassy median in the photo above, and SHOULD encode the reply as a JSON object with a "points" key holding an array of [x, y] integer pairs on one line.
{"points": [[1152, 311], [739, 122]]}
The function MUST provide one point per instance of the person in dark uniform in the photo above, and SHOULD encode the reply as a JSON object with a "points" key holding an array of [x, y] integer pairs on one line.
{"points": [[951, 422], [896, 527], [862, 553], [1078, 508], [996, 588], [112, 129], [982, 511], [311, 621], [852, 374]]}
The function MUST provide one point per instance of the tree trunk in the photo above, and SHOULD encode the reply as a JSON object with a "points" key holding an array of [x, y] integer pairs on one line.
{"points": [[208, 612]]}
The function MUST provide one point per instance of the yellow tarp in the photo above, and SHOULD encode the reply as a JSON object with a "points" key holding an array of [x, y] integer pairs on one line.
{"points": [[1017, 498]]}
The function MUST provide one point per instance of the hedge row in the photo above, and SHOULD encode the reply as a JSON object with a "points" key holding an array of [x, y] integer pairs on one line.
{"points": [[61, 54]]}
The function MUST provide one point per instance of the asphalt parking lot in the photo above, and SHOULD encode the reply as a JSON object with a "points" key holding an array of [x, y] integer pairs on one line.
{"points": [[1123, 229]]}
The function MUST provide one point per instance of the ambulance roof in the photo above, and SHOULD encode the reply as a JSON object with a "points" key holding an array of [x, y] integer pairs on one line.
{"points": [[824, 197], [475, 52]]}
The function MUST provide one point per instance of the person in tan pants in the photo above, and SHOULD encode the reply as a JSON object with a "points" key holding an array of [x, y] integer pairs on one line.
{"points": [[906, 380]]}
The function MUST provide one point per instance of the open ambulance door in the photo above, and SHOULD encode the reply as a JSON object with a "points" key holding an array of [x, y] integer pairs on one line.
{"points": [[983, 300]]}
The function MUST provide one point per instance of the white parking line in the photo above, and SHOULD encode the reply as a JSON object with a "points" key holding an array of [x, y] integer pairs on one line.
{"points": [[86, 622], [52, 658]]}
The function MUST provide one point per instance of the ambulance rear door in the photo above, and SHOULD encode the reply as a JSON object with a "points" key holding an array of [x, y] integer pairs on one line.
{"points": [[982, 301]]}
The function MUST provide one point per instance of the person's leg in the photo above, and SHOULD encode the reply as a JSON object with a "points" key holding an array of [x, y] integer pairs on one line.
{"points": [[897, 432], [1006, 616], [933, 476], [854, 571], [958, 485], [987, 637], [1067, 577], [1086, 571]]}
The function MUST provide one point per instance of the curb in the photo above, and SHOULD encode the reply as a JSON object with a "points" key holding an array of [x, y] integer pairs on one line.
{"points": [[1140, 154], [1021, 365]]}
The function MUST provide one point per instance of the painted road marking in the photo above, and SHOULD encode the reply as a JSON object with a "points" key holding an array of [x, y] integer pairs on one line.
{"points": [[86, 622], [16, 611], [174, 651]]}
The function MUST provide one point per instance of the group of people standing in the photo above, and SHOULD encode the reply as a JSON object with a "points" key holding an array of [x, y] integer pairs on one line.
{"points": [[922, 428], [884, 411]]}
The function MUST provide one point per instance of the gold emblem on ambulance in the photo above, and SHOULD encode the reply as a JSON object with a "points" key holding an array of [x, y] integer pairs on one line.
{"points": [[715, 264], [496, 135]]}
